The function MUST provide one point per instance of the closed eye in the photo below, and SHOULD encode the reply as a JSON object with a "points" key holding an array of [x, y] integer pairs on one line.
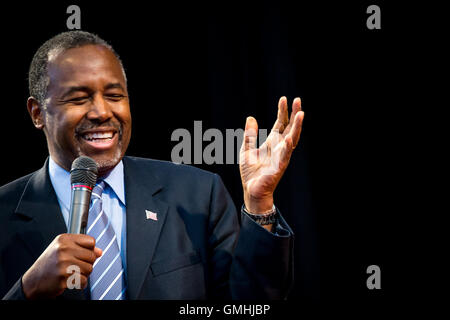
{"points": [[115, 97], [78, 99]]}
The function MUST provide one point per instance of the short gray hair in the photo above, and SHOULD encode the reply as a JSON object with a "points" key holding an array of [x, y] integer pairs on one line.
{"points": [[38, 79]]}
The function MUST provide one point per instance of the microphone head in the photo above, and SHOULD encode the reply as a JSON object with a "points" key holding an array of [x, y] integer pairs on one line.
{"points": [[84, 171]]}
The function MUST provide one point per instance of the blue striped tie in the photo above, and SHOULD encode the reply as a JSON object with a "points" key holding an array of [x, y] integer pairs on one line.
{"points": [[107, 280]]}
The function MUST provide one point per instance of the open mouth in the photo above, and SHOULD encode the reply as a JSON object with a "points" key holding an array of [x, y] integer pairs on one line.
{"points": [[100, 139], [98, 136]]}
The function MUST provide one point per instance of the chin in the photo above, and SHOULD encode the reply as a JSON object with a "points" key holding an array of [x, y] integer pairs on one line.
{"points": [[105, 163]]}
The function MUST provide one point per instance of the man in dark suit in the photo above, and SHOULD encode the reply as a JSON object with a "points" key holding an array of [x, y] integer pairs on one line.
{"points": [[170, 231]]}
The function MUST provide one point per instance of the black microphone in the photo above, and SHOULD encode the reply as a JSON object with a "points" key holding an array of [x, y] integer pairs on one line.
{"points": [[83, 176]]}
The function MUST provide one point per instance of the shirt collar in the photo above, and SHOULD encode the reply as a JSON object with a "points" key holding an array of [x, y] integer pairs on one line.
{"points": [[60, 179], [115, 181]]}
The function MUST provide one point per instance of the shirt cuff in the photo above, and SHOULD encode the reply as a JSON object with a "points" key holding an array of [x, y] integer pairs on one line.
{"points": [[277, 228]]}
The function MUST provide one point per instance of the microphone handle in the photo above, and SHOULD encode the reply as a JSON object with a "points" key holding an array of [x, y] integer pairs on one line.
{"points": [[79, 209]]}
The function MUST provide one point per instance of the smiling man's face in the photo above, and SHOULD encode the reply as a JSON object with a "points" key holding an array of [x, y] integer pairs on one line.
{"points": [[87, 110]]}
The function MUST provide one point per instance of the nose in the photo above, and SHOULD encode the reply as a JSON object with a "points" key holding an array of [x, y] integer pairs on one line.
{"points": [[100, 109]]}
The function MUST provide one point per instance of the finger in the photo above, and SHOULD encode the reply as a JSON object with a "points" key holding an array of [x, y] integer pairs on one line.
{"points": [[84, 254], [84, 281], [98, 252], [85, 267], [84, 241], [296, 107], [250, 134], [287, 150], [282, 116], [296, 129]]}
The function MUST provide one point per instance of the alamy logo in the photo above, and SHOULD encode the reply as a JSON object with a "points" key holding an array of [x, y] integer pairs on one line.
{"points": [[374, 20], [74, 280], [374, 280], [74, 20], [190, 149]]}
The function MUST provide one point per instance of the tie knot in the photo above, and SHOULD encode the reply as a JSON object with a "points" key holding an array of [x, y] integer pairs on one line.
{"points": [[99, 187]]}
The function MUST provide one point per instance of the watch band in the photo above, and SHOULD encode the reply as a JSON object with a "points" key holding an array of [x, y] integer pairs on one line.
{"points": [[265, 218]]}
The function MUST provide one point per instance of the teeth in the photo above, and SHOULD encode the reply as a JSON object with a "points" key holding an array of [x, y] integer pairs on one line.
{"points": [[98, 135]]}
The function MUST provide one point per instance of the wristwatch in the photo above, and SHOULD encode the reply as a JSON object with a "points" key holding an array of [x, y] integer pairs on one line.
{"points": [[264, 218]]}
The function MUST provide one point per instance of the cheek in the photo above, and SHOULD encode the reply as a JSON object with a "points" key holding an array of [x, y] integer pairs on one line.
{"points": [[124, 116], [63, 124]]}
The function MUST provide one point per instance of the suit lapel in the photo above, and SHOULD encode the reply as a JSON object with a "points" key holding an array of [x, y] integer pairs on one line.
{"points": [[42, 219], [40, 205], [141, 185]]}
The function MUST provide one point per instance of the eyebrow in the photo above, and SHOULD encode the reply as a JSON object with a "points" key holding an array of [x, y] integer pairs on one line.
{"points": [[114, 86], [87, 89]]}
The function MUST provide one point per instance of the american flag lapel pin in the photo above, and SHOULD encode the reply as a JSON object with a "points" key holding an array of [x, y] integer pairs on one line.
{"points": [[151, 215]]}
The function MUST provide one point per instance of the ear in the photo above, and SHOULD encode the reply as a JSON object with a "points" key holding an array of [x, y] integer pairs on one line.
{"points": [[36, 112]]}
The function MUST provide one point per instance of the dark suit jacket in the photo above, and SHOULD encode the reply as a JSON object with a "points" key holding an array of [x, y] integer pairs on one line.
{"points": [[197, 249]]}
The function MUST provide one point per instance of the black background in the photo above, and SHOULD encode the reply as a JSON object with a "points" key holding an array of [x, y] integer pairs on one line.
{"points": [[222, 62]]}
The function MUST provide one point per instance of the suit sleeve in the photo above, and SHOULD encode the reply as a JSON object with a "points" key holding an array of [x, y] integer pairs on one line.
{"points": [[247, 261], [262, 267], [16, 292]]}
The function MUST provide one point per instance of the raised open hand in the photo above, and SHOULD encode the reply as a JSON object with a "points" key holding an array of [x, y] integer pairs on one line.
{"points": [[262, 168]]}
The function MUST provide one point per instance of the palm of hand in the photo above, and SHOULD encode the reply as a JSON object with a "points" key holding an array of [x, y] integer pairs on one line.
{"points": [[262, 168]]}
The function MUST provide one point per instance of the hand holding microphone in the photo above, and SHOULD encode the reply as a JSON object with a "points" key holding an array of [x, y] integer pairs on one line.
{"points": [[47, 277]]}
